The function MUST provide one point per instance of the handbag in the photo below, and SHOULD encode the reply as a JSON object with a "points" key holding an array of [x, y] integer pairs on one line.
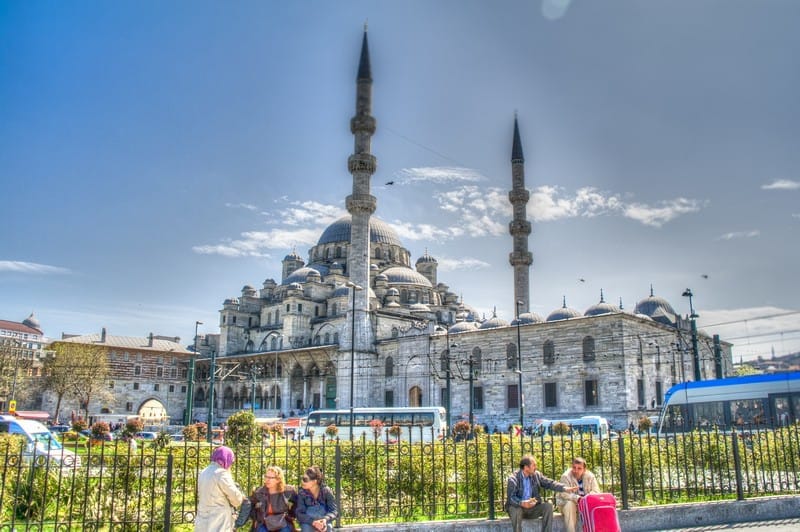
{"points": [[274, 521]]}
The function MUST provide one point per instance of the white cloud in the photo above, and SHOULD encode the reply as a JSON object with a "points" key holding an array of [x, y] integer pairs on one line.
{"points": [[466, 263], [439, 174], [305, 212], [30, 267], [665, 211], [796, 215], [555, 9], [480, 212], [247, 206], [739, 234], [255, 243], [753, 331], [782, 184], [410, 231], [549, 203]]}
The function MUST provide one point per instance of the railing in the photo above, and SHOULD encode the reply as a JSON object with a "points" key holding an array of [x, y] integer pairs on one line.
{"points": [[114, 487]]}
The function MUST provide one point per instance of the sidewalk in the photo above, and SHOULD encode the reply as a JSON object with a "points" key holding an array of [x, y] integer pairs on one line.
{"points": [[778, 525]]}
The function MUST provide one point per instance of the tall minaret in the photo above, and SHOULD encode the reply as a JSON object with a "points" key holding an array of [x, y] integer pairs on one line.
{"points": [[519, 227], [361, 205]]}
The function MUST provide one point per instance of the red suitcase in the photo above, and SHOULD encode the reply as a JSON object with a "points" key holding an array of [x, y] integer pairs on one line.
{"points": [[599, 513]]}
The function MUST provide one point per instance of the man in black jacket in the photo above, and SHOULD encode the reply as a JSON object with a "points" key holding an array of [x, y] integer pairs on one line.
{"points": [[523, 497]]}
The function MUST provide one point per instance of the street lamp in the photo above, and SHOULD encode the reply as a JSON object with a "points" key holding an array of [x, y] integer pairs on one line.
{"points": [[187, 418], [448, 378], [353, 287], [693, 319], [519, 371], [211, 395]]}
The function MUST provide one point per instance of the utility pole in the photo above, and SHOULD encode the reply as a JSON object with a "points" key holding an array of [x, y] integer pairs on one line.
{"points": [[693, 319]]}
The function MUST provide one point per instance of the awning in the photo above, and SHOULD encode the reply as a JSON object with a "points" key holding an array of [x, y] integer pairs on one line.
{"points": [[38, 415]]}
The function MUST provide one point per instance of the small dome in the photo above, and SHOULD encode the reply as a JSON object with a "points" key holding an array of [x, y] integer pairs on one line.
{"points": [[381, 277], [419, 307], [463, 326], [231, 301], [656, 308], [32, 322], [563, 313], [248, 290], [393, 292], [293, 256], [373, 267], [295, 286], [300, 275], [494, 322], [426, 258], [601, 308], [643, 316], [527, 317], [404, 275]]}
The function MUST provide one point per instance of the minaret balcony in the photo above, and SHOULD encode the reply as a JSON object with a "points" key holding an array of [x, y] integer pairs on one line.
{"points": [[362, 162], [362, 124], [517, 196], [519, 227]]}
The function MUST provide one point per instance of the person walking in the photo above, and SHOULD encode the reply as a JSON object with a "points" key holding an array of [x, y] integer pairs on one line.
{"points": [[523, 495], [584, 480], [217, 494], [274, 503], [316, 505]]}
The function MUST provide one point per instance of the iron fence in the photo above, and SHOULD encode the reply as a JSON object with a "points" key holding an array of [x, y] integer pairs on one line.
{"points": [[113, 487]]}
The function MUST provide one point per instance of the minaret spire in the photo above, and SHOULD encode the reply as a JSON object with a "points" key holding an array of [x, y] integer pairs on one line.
{"points": [[360, 204], [519, 227]]}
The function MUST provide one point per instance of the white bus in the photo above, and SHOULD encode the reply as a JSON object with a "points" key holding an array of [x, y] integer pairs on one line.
{"points": [[754, 400], [594, 425], [423, 423]]}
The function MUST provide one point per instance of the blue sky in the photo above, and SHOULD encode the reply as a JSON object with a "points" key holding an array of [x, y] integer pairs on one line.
{"points": [[157, 156]]}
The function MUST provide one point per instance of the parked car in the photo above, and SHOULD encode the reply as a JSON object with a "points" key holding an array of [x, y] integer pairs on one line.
{"points": [[58, 428], [40, 442], [145, 436]]}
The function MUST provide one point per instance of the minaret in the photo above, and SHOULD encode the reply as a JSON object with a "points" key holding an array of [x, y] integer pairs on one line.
{"points": [[519, 227], [361, 204]]}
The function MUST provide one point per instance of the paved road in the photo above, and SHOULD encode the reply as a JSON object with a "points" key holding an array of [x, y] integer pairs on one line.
{"points": [[779, 525]]}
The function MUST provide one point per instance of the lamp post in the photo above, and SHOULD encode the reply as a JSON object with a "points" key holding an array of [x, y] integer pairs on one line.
{"points": [[353, 287], [448, 378], [471, 362], [693, 318], [187, 418], [519, 372], [211, 395], [658, 355]]}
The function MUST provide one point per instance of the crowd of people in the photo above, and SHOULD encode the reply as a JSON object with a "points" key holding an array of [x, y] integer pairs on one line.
{"points": [[277, 506]]}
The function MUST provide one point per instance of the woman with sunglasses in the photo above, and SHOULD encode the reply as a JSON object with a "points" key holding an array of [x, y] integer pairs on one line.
{"points": [[274, 503], [316, 505], [217, 494]]}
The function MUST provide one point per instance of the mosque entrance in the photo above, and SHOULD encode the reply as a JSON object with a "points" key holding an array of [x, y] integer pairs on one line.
{"points": [[153, 412], [415, 396]]}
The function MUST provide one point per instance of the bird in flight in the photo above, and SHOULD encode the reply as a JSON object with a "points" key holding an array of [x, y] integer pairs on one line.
{"points": [[390, 182], [704, 276], [581, 279]]}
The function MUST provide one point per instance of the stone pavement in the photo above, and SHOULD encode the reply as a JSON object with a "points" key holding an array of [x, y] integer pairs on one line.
{"points": [[778, 525]]}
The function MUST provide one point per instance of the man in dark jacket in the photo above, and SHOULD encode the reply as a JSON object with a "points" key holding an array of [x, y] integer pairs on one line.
{"points": [[523, 495]]}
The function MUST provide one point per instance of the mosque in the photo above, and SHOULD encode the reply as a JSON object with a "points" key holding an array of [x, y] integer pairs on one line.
{"points": [[356, 324]]}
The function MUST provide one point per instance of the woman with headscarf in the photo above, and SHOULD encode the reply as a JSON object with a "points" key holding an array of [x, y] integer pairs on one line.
{"points": [[217, 494], [316, 504]]}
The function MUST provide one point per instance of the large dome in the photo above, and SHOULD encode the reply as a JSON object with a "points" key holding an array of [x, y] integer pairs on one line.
{"points": [[403, 275], [379, 231]]}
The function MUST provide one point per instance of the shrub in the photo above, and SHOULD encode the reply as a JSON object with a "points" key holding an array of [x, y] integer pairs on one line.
{"points": [[79, 425], [461, 428], [644, 424], [190, 432], [560, 429], [377, 427], [242, 428], [100, 430], [132, 426], [395, 430], [332, 431]]}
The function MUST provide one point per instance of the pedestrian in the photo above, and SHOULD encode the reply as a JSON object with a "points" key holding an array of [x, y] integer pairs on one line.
{"points": [[217, 494], [274, 503], [523, 495], [316, 505], [579, 476]]}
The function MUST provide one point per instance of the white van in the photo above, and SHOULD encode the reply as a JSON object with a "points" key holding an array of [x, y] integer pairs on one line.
{"points": [[594, 425], [40, 441]]}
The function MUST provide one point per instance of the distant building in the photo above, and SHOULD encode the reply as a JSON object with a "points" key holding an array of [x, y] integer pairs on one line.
{"points": [[22, 350], [289, 344], [147, 377]]}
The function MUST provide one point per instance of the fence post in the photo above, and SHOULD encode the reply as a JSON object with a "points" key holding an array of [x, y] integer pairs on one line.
{"points": [[168, 494], [490, 476], [737, 464], [623, 472], [338, 460]]}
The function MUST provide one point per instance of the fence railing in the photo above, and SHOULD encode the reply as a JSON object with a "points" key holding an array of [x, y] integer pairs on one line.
{"points": [[117, 488]]}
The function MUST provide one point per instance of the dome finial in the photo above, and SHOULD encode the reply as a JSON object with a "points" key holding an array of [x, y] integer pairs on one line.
{"points": [[620, 303], [602, 299], [651, 289]]}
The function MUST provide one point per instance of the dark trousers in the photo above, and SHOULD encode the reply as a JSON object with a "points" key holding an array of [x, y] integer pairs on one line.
{"points": [[543, 510]]}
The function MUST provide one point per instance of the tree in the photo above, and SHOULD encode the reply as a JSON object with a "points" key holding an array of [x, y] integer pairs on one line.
{"points": [[13, 366], [242, 428], [79, 371], [746, 369]]}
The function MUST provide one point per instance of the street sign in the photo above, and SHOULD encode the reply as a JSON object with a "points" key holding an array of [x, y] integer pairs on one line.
{"points": [[12, 406]]}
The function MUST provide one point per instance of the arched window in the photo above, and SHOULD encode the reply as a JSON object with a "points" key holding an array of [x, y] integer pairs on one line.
{"points": [[334, 309], [327, 338], [338, 253], [250, 347], [511, 356], [269, 318], [548, 352], [389, 367], [395, 332], [336, 338], [377, 253], [317, 340], [277, 317], [273, 343], [476, 360], [588, 349]]}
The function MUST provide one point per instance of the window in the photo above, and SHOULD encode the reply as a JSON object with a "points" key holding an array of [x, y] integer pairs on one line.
{"points": [[138, 357], [159, 371], [171, 388], [137, 370], [160, 360], [640, 392], [233, 320], [550, 395], [443, 395], [388, 398], [389, 367], [126, 357], [316, 311], [174, 373], [183, 389], [287, 307], [111, 384], [590, 393], [588, 349], [511, 356], [327, 338], [135, 385], [336, 338], [299, 307], [476, 361], [512, 396], [659, 393], [156, 387], [184, 373], [334, 308], [548, 352], [477, 397], [129, 407]]}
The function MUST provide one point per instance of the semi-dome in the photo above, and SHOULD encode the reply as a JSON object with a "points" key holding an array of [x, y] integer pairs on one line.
{"points": [[601, 308], [300, 275], [527, 317], [563, 313], [379, 232], [403, 275], [656, 308]]}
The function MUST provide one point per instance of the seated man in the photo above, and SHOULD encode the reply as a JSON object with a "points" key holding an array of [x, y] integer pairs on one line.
{"points": [[580, 477], [523, 497]]}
